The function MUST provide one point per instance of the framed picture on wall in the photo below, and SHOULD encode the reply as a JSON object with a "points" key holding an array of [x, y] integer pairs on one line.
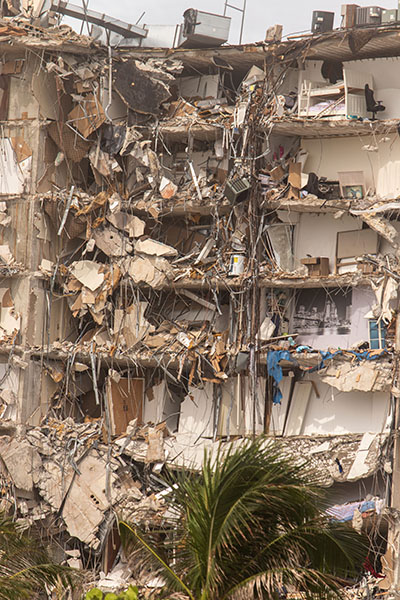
{"points": [[353, 192], [352, 184]]}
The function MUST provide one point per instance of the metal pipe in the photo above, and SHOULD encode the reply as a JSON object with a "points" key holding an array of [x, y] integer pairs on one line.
{"points": [[242, 24]]}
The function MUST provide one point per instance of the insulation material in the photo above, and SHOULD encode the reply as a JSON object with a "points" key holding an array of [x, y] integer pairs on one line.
{"points": [[125, 401], [87, 116], [151, 270], [132, 225], [154, 248], [197, 412], [130, 323], [88, 273], [386, 296], [112, 243]]}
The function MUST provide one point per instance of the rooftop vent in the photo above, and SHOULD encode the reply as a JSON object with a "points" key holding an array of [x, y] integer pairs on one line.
{"points": [[203, 29]]}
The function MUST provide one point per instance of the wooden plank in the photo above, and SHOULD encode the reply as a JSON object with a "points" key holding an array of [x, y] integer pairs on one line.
{"points": [[87, 116]]}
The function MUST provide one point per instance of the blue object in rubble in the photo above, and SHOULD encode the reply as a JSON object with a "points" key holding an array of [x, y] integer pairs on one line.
{"points": [[275, 370]]}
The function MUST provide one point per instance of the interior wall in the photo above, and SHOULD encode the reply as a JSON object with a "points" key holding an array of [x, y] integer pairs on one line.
{"points": [[333, 412], [386, 79], [326, 157], [316, 234], [336, 412]]}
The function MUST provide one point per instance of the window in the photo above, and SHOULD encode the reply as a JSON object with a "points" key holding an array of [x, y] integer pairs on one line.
{"points": [[377, 334]]}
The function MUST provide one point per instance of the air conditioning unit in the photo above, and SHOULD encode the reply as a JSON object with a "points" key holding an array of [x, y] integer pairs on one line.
{"points": [[203, 29], [236, 187], [348, 14], [322, 21], [369, 15], [390, 16]]}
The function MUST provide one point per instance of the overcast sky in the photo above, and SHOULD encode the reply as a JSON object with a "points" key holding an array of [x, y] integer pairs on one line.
{"points": [[294, 15]]}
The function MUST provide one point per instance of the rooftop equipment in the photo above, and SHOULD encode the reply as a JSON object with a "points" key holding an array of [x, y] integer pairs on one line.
{"points": [[322, 21], [203, 29], [348, 14], [390, 16], [369, 15]]}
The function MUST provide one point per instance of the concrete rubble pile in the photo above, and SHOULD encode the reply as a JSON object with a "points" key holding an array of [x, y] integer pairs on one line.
{"points": [[197, 245]]}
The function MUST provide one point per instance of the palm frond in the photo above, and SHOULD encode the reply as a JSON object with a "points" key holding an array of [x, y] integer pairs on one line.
{"points": [[25, 566], [254, 516]]}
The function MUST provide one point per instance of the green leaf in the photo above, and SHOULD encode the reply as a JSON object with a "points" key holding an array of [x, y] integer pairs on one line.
{"points": [[94, 594], [130, 594], [111, 596]]}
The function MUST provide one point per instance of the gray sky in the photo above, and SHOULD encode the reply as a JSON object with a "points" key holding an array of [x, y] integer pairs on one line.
{"points": [[294, 15]]}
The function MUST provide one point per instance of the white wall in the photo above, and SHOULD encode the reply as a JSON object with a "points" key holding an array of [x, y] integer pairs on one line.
{"points": [[334, 412], [328, 156], [344, 412], [386, 80], [316, 235]]}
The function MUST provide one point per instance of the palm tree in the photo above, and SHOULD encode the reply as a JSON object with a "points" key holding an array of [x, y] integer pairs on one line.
{"points": [[251, 523], [25, 567]]}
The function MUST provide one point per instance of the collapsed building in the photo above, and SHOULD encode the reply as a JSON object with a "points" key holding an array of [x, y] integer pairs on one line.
{"points": [[197, 245]]}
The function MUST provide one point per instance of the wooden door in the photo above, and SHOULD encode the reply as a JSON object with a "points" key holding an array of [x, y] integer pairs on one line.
{"points": [[125, 401]]}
